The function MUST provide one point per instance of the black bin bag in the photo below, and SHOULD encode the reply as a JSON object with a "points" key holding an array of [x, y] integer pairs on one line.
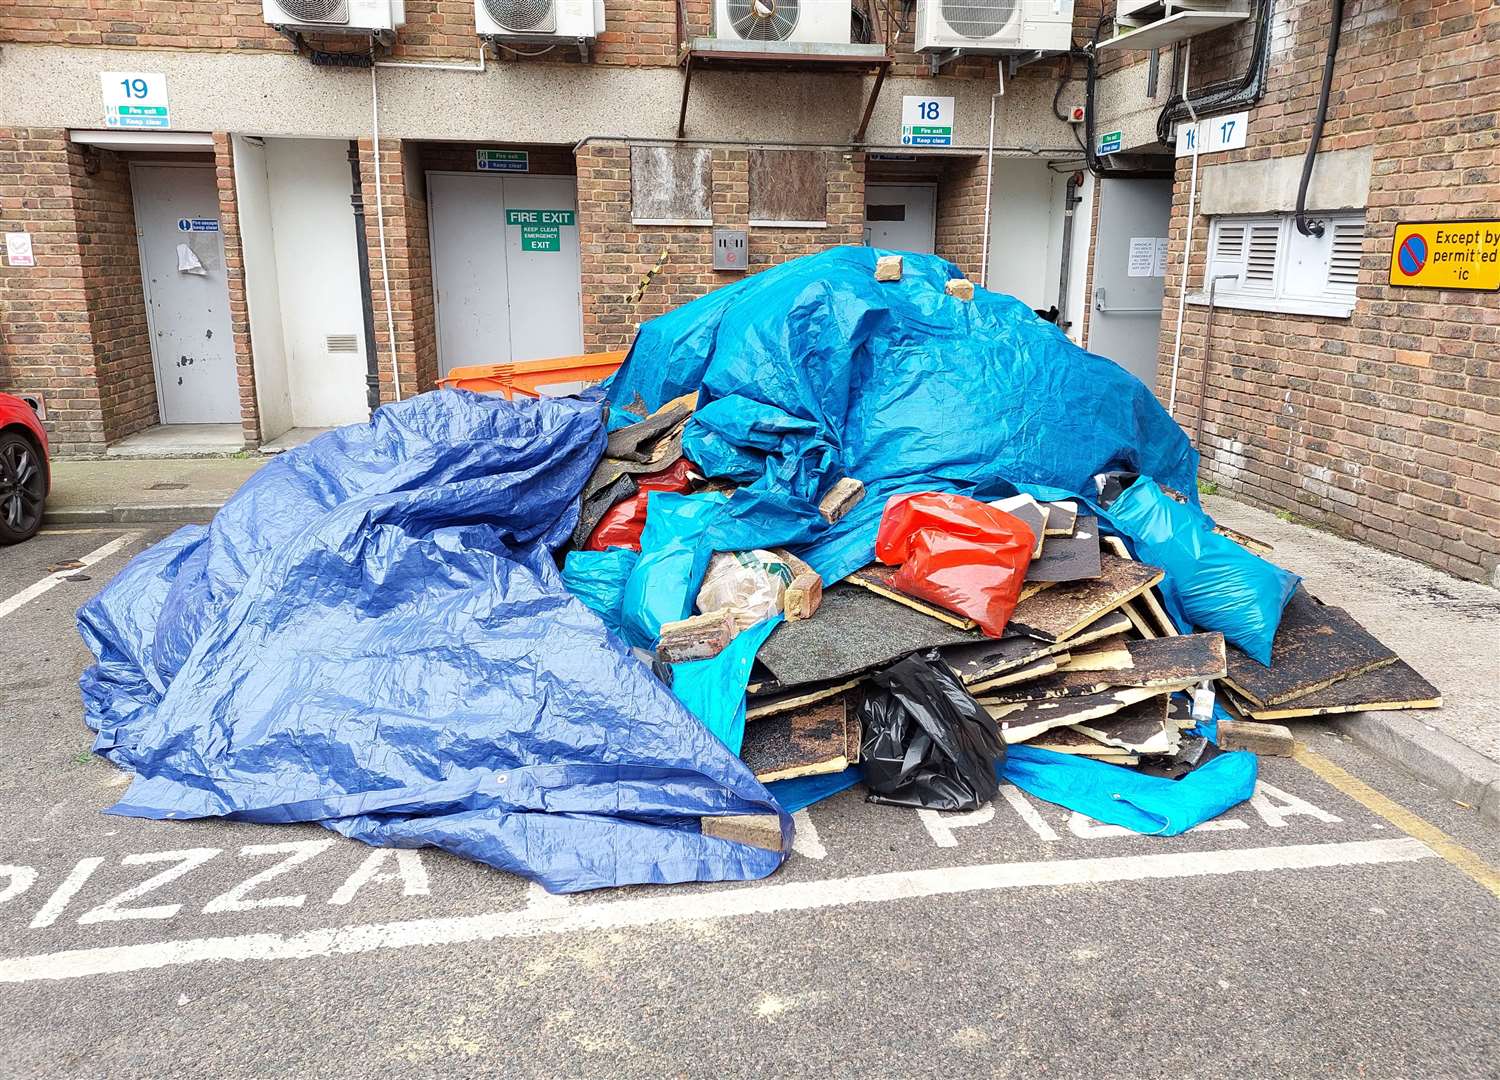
{"points": [[927, 742]]}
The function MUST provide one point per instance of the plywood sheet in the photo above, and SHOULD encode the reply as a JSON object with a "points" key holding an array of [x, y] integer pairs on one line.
{"points": [[1023, 721], [1065, 609], [804, 742], [1316, 645], [1389, 687], [854, 630], [877, 578], [1069, 558]]}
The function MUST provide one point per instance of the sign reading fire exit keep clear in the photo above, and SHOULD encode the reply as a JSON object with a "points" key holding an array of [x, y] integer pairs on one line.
{"points": [[541, 230]]}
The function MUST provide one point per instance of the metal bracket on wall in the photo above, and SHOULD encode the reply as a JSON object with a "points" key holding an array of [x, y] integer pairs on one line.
{"points": [[936, 60], [1016, 61]]}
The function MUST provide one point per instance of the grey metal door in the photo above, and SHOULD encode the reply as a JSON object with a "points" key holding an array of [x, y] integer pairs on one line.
{"points": [[505, 267], [1129, 258], [901, 217], [187, 293]]}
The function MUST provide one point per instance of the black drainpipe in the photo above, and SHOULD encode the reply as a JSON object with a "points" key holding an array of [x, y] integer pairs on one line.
{"points": [[362, 252], [1304, 226]]}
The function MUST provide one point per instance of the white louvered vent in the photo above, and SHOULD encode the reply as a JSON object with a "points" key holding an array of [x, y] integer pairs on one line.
{"points": [[1229, 243], [1343, 258], [342, 343], [1260, 256]]}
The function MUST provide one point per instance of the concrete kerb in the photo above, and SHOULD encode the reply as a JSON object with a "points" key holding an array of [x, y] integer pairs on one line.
{"points": [[179, 513], [1464, 775]]}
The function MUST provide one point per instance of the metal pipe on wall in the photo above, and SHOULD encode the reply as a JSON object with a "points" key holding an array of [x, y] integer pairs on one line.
{"points": [[1071, 199], [366, 302]]}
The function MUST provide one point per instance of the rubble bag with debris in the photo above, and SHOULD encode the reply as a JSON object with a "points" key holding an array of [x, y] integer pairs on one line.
{"points": [[958, 553], [927, 742], [748, 584], [1211, 582], [1116, 795], [622, 523], [373, 634], [812, 371], [673, 558]]}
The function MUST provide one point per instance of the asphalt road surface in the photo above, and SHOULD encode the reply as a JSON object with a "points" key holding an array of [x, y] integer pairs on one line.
{"points": [[1344, 923]]}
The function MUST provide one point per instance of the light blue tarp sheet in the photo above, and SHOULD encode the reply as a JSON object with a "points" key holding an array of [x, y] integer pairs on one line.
{"points": [[373, 634]]}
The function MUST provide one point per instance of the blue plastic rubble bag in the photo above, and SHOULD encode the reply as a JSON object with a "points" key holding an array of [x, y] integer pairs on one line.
{"points": [[1211, 582], [664, 583], [1120, 796], [813, 370], [713, 690], [373, 634], [598, 579]]}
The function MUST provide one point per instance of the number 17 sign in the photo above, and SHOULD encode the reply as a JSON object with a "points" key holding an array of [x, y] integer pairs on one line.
{"points": [[926, 121], [135, 99]]}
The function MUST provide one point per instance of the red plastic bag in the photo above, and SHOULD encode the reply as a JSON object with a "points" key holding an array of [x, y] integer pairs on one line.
{"points": [[622, 523], [957, 553]]}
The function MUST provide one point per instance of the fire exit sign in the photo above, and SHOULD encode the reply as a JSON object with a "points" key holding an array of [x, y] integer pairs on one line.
{"points": [[541, 230]]}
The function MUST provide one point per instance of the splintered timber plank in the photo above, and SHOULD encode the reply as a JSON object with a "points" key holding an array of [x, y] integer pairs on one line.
{"points": [[877, 579], [1065, 609], [804, 742], [794, 698], [1316, 645], [1386, 688], [1040, 668], [1069, 558], [981, 660], [1142, 728], [854, 630], [1024, 720]]}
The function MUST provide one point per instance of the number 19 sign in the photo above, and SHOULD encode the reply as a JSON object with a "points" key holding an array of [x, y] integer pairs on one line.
{"points": [[926, 121], [135, 99]]}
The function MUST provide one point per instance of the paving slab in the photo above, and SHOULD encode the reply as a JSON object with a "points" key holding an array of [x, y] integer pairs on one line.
{"points": [[144, 489]]}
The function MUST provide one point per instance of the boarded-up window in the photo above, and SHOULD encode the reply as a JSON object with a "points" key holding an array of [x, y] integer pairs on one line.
{"points": [[671, 185], [788, 187]]}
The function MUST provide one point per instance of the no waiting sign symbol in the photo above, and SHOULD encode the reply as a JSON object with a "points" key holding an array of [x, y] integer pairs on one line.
{"points": [[1412, 255]]}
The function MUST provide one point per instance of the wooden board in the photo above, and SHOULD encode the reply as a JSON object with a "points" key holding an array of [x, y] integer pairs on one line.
{"points": [[1316, 645], [1148, 605], [1138, 620], [980, 660], [1111, 625], [1110, 654], [1389, 687], [1062, 517], [803, 742], [1031, 513], [1065, 609], [877, 578], [1067, 740], [1043, 667], [784, 700], [1023, 721], [1069, 558], [1142, 728]]}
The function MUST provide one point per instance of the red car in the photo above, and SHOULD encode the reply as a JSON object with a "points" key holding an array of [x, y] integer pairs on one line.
{"points": [[25, 475]]}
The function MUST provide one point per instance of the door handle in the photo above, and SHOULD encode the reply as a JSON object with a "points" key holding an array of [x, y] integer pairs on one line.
{"points": [[1103, 309]]}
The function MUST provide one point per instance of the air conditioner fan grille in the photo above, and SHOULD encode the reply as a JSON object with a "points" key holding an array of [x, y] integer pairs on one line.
{"points": [[520, 15], [977, 21], [316, 11], [763, 20]]}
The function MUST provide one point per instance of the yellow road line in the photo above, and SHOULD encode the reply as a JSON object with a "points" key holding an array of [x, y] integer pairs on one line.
{"points": [[1399, 816]]}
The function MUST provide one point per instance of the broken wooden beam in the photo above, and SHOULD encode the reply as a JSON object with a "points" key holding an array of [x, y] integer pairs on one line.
{"points": [[696, 638], [1274, 740]]}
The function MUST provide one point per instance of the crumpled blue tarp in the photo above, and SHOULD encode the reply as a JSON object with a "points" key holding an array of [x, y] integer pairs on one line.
{"points": [[813, 370], [373, 634]]}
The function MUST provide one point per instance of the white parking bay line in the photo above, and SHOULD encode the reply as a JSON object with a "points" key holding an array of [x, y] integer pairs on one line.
{"points": [[725, 903], [31, 592]]}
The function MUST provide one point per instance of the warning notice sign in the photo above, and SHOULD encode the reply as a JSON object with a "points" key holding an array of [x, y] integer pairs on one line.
{"points": [[1447, 255]]}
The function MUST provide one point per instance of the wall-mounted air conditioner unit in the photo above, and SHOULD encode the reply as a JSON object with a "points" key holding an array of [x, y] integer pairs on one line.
{"points": [[812, 21], [336, 16], [1150, 24], [995, 25], [539, 18]]}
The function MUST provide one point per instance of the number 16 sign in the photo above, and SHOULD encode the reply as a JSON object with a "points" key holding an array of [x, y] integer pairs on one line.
{"points": [[135, 99]]}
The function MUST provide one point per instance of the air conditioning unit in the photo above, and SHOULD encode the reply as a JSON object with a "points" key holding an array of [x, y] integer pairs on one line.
{"points": [[539, 18], [1142, 25], [820, 21], [995, 25], [336, 16]]}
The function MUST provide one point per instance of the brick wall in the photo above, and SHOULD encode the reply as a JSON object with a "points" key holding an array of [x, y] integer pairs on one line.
{"points": [[113, 292], [234, 272], [960, 214], [616, 254], [1384, 426]]}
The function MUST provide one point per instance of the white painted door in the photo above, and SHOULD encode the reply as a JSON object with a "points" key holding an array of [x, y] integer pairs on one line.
{"points": [[901, 217], [187, 293], [505, 267], [1129, 251]]}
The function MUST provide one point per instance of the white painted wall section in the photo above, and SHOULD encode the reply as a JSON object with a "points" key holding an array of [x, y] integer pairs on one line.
{"points": [[1023, 247], [262, 289]]}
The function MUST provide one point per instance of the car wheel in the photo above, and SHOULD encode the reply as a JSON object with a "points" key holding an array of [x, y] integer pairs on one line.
{"points": [[23, 486]]}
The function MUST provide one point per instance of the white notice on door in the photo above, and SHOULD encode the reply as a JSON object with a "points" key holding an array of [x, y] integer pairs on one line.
{"points": [[18, 249], [1159, 268], [1142, 256]]}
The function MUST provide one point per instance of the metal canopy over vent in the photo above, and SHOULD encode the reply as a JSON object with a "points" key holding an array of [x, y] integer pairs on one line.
{"points": [[524, 16], [978, 20], [763, 20], [316, 11]]}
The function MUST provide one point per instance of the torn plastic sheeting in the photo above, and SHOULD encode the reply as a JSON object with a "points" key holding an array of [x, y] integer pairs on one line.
{"points": [[959, 553], [1120, 796], [800, 792], [811, 371], [597, 579], [713, 690], [622, 523], [373, 634]]}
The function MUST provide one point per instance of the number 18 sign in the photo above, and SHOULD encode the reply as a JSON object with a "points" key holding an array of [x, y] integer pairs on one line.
{"points": [[135, 99], [926, 121]]}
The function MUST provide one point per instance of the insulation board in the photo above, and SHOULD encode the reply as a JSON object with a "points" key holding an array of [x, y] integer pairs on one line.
{"points": [[877, 578], [1389, 687], [1069, 558]]}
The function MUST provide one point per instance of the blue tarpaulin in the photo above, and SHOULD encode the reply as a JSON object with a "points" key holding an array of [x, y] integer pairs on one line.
{"points": [[373, 634]]}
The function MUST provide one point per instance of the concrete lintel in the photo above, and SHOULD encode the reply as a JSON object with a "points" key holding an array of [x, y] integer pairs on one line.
{"points": [[1340, 181]]}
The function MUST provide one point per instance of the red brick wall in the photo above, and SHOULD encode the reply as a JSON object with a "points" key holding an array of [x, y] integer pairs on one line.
{"points": [[112, 286], [1384, 426], [616, 254], [234, 271], [960, 214], [46, 339]]}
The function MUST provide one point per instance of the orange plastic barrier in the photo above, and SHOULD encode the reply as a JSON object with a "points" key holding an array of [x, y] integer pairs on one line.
{"points": [[527, 376]]}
